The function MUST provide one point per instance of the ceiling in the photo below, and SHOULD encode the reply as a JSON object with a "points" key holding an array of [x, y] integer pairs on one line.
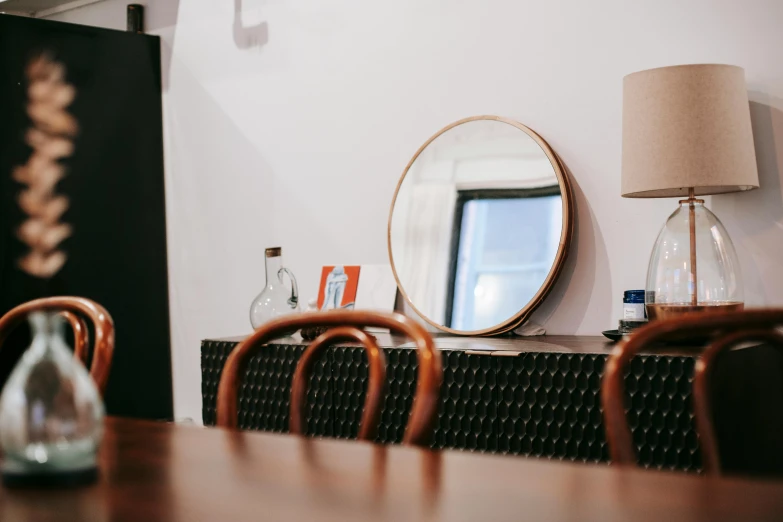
{"points": [[36, 6]]}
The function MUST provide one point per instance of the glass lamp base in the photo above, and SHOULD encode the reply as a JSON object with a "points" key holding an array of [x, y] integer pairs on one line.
{"points": [[667, 311], [693, 267]]}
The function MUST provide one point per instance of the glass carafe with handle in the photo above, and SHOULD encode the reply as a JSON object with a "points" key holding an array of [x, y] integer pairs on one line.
{"points": [[277, 298]]}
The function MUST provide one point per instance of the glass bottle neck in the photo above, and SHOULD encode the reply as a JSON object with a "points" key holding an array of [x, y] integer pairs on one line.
{"points": [[273, 266], [45, 326]]}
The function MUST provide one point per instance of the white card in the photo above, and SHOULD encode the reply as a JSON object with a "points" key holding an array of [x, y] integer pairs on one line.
{"points": [[377, 288]]}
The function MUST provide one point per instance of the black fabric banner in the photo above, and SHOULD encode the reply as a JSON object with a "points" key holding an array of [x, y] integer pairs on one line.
{"points": [[116, 253]]}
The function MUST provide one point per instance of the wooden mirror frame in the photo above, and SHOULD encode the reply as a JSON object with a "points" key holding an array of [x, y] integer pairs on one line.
{"points": [[569, 213]]}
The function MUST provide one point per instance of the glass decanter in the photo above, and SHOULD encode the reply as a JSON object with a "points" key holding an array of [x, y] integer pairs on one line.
{"points": [[276, 298], [672, 288], [51, 414]]}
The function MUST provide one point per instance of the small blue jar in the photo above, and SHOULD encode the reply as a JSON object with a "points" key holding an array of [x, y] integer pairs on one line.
{"points": [[633, 306]]}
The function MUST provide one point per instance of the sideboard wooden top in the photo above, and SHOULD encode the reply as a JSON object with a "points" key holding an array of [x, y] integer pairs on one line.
{"points": [[498, 346]]}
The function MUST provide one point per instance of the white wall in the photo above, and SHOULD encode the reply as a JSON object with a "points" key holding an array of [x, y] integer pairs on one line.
{"points": [[295, 132]]}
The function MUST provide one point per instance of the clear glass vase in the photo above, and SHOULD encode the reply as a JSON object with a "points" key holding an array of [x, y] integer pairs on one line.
{"points": [[51, 414], [671, 288], [277, 298]]}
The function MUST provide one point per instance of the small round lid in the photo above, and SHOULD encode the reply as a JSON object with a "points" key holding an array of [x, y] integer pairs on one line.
{"points": [[633, 296]]}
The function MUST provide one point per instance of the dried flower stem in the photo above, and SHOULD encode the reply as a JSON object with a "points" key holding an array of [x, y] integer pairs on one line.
{"points": [[51, 140]]}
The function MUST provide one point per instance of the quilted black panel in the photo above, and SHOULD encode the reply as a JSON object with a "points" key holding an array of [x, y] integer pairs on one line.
{"points": [[468, 406], [550, 407], [541, 404], [348, 383], [264, 397]]}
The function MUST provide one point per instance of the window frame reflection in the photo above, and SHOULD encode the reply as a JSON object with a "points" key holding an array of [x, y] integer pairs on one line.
{"points": [[458, 234]]}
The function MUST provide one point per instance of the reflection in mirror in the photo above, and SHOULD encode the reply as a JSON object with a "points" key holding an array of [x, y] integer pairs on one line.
{"points": [[476, 225], [494, 271]]}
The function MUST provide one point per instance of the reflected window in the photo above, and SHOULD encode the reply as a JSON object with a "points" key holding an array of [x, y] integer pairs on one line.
{"points": [[504, 243]]}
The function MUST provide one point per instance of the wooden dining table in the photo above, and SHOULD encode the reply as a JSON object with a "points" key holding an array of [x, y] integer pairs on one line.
{"points": [[161, 471]]}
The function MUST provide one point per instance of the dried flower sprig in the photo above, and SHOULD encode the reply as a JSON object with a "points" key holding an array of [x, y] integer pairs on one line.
{"points": [[51, 138]]}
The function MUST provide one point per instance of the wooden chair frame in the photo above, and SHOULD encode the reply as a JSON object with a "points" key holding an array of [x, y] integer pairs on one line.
{"points": [[424, 411], [81, 336], [722, 331], [72, 309], [702, 386]]}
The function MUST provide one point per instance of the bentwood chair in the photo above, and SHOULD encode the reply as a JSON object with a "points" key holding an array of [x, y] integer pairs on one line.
{"points": [[74, 310], [343, 325], [716, 334]]}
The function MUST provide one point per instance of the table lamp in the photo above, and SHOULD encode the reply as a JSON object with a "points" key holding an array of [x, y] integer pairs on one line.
{"points": [[687, 133]]}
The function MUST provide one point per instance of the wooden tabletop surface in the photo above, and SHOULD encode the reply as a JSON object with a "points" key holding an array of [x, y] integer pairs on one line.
{"points": [[155, 471]]}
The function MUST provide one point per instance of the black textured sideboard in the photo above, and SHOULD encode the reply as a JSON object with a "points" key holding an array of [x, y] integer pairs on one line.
{"points": [[530, 396]]}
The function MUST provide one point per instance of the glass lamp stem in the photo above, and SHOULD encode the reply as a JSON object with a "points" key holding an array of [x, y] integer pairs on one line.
{"points": [[692, 223]]}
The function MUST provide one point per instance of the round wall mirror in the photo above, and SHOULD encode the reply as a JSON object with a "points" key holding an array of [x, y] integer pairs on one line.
{"points": [[480, 226]]}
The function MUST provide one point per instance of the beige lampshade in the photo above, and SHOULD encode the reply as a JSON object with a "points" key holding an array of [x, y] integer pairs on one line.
{"points": [[687, 126]]}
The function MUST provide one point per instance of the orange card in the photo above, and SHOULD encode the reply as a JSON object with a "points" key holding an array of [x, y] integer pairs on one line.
{"points": [[338, 287]]}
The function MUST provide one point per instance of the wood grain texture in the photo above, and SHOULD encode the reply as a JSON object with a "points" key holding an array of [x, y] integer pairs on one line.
{"points": [[421, 422], [373, 402], [103, 324], [164, 472], [719, 332]]}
